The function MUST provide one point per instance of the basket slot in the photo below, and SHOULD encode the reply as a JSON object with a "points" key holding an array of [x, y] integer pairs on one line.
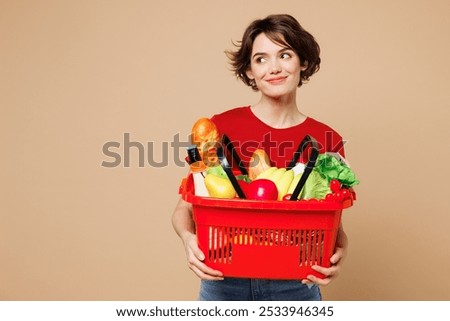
{"points": [[314, 246], [227, 246], [275, 236], [303, 247], [287, 238], [280, 238], [268, 238], [258, 236], [320, 247], [261, 235], [295, 238]]}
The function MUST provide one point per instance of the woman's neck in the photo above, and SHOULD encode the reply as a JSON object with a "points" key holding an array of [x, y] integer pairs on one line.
{"points": [[278, 113]]}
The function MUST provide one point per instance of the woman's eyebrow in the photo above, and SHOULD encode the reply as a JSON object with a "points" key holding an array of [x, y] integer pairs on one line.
{"points": [[258, 54], [263, 53]]}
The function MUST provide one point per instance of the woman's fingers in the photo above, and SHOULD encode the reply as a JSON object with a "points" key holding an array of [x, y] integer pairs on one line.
{"points": [[195, 257], [330, 273], [206, 273], [203, 271], [338, 255]]}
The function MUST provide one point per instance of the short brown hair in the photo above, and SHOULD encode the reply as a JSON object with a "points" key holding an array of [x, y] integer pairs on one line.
{"points": [[284, 30]]}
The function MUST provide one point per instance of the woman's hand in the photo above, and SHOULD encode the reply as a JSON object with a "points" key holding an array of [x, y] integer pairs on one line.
{"points": [[195, 259], [185, 228], [336, 262]]}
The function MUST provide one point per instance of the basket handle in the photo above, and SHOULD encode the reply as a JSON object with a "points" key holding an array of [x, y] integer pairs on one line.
{"points": [[228, 170], [227, 142], [308, 140]]}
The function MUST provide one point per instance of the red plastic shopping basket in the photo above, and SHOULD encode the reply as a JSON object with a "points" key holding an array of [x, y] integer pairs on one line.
{"points": [[265, 239]]}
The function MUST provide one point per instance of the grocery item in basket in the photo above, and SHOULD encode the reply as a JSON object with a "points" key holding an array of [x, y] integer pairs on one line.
{"points": [[205, 136], [219, 187], [267, 173], [198, 170], [193, 154], [281, 177], [217, 170], [294, 183], [262, 189], [332, 167], [284, 182], [258, 163], [316, 186]]}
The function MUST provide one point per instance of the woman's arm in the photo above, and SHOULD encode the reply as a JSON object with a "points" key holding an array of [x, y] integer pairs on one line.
{"points": [[185, 228]]}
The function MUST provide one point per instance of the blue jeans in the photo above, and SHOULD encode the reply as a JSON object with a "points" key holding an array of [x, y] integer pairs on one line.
{"points": [[235, 289]]}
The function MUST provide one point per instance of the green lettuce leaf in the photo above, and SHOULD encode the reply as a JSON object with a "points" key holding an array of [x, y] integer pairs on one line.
{"points": [[332, 168], [316, 186]]}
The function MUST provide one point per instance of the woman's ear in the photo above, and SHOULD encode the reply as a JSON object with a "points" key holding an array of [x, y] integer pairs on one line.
{"points": [[249, 74], [304, 66]]}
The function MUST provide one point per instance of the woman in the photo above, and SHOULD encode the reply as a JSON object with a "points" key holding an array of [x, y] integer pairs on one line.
{"points": [[275, 57]]}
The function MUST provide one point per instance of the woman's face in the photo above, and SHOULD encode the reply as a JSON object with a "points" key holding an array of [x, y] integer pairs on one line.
{"points": [[275, 69]]}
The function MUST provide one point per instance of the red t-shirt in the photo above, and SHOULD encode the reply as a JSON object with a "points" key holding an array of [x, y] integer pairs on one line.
{"points": [[247, 133]]}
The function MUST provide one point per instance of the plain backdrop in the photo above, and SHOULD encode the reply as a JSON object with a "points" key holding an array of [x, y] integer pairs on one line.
{"points": [[75, 75]]}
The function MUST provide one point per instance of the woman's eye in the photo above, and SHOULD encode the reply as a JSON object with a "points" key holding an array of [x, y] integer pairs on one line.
{"points": [[285, 55], [260, 60]]}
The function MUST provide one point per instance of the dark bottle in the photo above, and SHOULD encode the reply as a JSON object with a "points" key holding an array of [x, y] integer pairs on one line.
{"points": [[193, 154]]}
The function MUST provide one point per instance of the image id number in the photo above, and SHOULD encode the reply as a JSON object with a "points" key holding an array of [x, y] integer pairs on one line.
{"points": [[307, 311]]}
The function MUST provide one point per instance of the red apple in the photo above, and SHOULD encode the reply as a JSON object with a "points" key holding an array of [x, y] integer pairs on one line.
{"points": [[262, 189]]}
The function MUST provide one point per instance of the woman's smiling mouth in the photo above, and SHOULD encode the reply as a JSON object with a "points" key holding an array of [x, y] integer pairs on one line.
{"points": [[276, 80]]}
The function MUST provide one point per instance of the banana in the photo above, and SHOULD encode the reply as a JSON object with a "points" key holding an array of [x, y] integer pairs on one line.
{"points": [[267, 173], [284, 182], [276, 176], [294, 183]]}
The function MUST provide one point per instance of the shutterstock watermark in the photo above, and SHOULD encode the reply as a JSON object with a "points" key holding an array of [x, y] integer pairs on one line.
{"points": [[120, 153], [173, 152]]}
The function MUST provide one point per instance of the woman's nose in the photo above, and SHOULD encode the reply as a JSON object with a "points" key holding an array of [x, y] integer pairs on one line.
{"points": [[276, 67]]}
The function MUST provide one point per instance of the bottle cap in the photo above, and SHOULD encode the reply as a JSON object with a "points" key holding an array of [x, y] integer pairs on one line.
{"points": [[198, 166]]}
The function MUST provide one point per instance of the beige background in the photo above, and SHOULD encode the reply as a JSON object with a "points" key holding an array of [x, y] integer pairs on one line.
{"points": [[77, 74]]}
